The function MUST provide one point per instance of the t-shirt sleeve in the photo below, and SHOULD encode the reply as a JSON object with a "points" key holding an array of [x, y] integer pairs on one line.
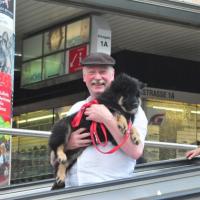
{"points": [[140, 123], [75, 108]]}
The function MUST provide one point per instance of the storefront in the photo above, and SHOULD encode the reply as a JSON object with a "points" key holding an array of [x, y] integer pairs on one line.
{"points": [[173, 117]]}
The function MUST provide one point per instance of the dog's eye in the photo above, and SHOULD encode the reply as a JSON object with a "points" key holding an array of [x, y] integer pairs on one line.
{"points": [[125, 96]]}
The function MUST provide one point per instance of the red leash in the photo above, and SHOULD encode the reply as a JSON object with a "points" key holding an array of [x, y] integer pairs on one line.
{"points": [[93, 129], [77, 119], [94, 135]]}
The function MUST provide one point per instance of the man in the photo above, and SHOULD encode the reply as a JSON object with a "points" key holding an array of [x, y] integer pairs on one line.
{"points": [[93, 166]]}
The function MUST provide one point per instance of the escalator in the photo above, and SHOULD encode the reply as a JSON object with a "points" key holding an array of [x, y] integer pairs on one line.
{"points": [[172, 179]]}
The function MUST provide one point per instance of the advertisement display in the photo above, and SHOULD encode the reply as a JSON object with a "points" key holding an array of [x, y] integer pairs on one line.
{"points": [[78, 32], [31, 72], [75, 56], [7, 35], [54, 40]]}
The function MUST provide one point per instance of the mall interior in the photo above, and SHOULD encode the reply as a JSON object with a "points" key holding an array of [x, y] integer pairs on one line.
{"points": [[158, 42]]}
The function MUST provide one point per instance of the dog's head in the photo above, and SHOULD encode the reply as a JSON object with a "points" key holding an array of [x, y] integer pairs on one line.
{"points": [[126, 92]]}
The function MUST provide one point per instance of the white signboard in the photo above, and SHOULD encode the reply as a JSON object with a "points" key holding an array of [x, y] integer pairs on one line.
{"points": [[100, 35], [104, 41], [171, 95]]}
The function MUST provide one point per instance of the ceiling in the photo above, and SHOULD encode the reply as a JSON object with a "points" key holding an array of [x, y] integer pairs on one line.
{"points": [[128, 32]]}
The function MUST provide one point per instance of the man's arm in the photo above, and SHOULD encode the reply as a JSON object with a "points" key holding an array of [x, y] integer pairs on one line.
{"points": [[101, 114], [193, 153]]}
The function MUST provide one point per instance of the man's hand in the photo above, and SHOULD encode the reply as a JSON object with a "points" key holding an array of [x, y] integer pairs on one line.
{"points": [[98, 113], [193, 153], [78, 139]]}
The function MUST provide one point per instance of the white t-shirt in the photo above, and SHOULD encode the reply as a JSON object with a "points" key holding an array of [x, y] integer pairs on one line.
{"points": [[94, 167]]}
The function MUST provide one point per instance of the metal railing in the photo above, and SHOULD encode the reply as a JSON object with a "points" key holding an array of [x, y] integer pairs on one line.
{"points": [[31, 162], [34, 133]]}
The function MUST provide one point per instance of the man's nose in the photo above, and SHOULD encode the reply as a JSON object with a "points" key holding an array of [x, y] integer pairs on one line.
{"points": [[97, 75]]}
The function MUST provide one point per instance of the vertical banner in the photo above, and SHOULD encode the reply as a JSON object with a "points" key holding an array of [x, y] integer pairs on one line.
{"points": [[7, 38]]}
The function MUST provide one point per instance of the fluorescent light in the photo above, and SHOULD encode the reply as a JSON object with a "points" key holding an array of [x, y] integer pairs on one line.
{"points": [[21, 121], [63, 113], [167, 108], [36, 119], [195, 112]]}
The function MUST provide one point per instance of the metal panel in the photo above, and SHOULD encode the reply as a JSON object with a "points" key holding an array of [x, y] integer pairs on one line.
{"points": [[156, 9]]}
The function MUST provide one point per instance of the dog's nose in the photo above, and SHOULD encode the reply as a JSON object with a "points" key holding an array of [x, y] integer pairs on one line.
{"points": [[131, 106]]}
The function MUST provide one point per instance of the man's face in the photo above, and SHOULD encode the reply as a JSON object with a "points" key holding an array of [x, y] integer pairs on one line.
{"points": [[97, 79]]}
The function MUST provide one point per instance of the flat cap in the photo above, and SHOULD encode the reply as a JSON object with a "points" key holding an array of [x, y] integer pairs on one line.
{"points": [[99, 59]]}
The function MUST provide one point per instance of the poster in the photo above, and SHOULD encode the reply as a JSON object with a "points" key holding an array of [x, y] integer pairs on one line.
{"points": [[7, 35], [75, 55], [78, 32]]}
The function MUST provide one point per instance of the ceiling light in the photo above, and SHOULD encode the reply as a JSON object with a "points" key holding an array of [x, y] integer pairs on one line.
{"points": [[35, 119], [195, 112], [167, 108]]}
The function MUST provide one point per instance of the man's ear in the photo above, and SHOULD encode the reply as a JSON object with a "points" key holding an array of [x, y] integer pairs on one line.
{"points": [[83, 78], [113, 74], [83, 74]]}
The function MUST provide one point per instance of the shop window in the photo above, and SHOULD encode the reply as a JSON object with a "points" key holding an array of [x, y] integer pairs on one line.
{"points": [[32, 47], [39, 120], [44, 54], [30, 155], [170, 121], [53, 65], [61, 112], [31, 72]]}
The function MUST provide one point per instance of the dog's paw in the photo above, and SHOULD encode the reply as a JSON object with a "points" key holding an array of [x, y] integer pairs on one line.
{"points": [[121, 123], [122, 128], [135, 136], [57, 186], [60, 175], [61, 157]]}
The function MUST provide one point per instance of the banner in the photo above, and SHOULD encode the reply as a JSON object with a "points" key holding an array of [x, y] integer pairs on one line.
{"points": [[7, 38]]}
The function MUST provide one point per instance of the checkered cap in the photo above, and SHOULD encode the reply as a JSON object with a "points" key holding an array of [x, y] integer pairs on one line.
{"points": [[98, 59]]}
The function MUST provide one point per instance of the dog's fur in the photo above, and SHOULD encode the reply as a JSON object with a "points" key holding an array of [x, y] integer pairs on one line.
{"points": [[122, 98]]}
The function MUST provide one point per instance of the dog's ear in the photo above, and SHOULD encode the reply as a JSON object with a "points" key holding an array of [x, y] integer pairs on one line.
{"points": [[142, 85]]}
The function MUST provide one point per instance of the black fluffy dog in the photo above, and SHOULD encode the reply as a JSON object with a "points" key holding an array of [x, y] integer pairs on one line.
{"points": [[122, 98]]}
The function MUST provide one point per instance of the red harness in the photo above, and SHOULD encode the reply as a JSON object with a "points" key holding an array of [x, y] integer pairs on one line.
{"points": [[93, 130]]}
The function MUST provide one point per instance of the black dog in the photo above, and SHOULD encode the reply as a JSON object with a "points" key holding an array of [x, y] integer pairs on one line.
{"points": [[122, 98]]}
